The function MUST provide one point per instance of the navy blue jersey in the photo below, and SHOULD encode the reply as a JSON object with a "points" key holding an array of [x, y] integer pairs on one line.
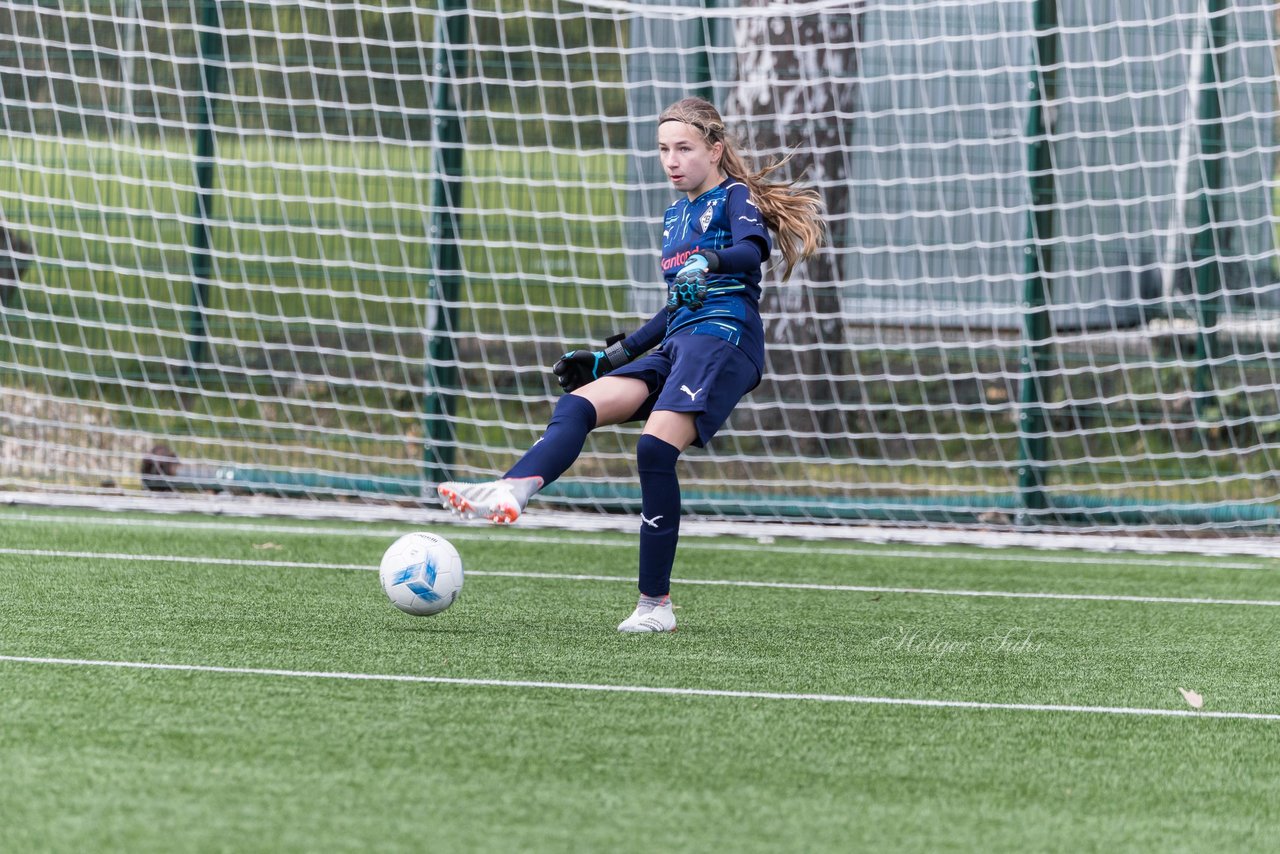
{"points": [[718, 219]]}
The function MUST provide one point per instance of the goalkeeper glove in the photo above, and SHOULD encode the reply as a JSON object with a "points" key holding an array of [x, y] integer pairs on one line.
{"points": [[579, 367], [690, 286]]}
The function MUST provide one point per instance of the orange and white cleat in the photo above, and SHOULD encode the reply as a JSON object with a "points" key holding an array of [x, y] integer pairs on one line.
{"points": [[499, 501]]}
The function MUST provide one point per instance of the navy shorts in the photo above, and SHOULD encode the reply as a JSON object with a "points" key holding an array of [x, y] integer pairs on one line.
{"points": [[702, 374]]}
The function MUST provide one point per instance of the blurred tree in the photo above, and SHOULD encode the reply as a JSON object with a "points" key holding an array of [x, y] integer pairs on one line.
{"points": [[796, 91]]}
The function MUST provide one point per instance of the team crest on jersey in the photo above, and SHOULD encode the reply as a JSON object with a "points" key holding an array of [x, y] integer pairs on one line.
{"points": [[705, 221]]}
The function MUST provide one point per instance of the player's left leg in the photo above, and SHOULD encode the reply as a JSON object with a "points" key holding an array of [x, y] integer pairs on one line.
{"points": [[708, 378], [666, 435]]}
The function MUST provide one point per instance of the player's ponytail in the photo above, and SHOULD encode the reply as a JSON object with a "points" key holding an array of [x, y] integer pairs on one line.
{"points": [[793, 213]]}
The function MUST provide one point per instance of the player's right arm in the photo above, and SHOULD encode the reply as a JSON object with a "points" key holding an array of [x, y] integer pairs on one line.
{"points": [[579, 367]]}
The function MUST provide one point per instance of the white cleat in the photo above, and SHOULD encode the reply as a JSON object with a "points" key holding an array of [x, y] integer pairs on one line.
{"points": [[495, 500], [650, 618]]}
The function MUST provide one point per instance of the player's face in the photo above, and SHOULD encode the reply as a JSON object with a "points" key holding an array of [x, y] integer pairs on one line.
{"points": [[691, 164]]}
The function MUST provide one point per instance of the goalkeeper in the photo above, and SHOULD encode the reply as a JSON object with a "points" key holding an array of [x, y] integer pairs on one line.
{"points": [[709, 339]]}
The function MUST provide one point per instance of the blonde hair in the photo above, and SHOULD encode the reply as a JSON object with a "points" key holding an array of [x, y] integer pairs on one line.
{"points": [[793, 213]]}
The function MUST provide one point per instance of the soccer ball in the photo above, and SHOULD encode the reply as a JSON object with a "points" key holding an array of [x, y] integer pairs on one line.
{"points": [[421, 574]]}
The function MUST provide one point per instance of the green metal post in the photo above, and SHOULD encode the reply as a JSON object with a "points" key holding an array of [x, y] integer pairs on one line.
{"points": [[1210, 235], [212, 73], [702, 72], [1033, 443], [445, 280]]}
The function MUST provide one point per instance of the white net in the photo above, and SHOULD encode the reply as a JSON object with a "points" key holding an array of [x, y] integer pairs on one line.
{"points": [[329, 251]]}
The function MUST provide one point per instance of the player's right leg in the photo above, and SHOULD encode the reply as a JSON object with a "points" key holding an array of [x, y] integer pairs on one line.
{"points": [[608, 400]]}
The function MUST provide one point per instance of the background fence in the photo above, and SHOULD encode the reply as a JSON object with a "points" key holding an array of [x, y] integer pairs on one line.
{"points": [[329, 250]]}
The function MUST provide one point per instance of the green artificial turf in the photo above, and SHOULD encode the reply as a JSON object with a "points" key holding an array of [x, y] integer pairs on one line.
{"points": [[98, 758]]}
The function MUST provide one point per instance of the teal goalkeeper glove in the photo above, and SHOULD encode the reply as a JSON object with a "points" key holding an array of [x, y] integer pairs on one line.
{"points": [[579, 367], [690, 285]]}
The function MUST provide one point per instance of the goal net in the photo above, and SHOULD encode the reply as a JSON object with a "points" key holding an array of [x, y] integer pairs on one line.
{"points": [[328, 251]]}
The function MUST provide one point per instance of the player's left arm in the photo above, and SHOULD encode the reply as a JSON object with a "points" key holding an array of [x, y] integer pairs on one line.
{"points": [[738, 258], [749, 234], [749, 244], [747, 250]]}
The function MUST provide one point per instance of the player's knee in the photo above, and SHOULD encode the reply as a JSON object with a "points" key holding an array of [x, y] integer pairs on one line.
{"points": [[675, 428], [655, 455], [571, 407]]}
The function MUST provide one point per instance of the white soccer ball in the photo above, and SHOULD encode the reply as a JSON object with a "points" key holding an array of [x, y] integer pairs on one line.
{"points": [[421, 574]]}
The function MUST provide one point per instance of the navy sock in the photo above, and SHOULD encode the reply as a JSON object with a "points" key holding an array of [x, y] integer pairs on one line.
{"points": [[550, 456], [659, 513]]}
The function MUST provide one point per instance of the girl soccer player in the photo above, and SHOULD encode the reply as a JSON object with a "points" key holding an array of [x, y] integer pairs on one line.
{"points": [[711, 343]]}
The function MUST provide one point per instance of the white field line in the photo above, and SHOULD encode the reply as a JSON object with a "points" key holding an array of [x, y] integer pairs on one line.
{"points": [[925, 591], [703, 582], [646, 689], [768, 544], [565, 525]]}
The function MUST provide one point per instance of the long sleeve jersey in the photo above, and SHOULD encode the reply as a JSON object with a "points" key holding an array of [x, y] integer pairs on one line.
{"points": [[726, 221]]}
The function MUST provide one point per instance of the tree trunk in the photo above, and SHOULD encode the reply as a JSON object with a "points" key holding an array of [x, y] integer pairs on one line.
{"points": [[796, 89]]}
